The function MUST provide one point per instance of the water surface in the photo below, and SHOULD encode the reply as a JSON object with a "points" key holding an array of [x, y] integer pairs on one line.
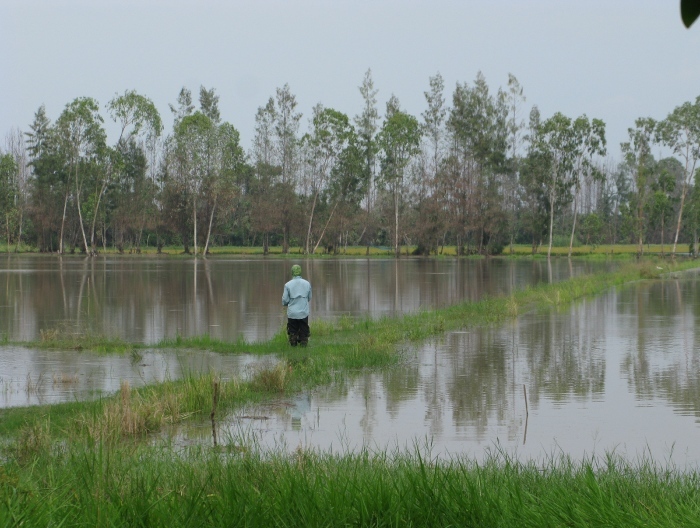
{"points": [[618, 373], [146, 299]]}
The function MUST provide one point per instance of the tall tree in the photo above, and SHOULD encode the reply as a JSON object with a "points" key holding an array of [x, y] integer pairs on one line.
{"points": [[50, 184], [346, 191], [640, 163], [17, 148], [516, 124], [330, 134], [286, 129], [429, 217], [478, 133], [535, 200], [681, 132], [227, 161], [661, 200], [554, 140], [8, 192], [588, 141], [264, 214], [400, 141], [192, 138], [367, 126], [82, 137], [138, 119], [693, 218]]}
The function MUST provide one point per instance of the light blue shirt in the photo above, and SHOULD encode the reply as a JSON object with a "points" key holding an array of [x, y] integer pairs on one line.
{"points": [[296, 297]]}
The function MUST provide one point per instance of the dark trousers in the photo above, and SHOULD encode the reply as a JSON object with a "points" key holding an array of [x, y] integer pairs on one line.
{"points": [[298, 331]]}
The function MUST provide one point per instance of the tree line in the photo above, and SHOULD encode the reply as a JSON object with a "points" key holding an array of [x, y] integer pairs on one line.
{"points": [[481, 174]]}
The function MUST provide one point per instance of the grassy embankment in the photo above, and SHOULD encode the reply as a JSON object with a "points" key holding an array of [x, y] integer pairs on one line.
{"points": [[78, 463], [84, 485]]}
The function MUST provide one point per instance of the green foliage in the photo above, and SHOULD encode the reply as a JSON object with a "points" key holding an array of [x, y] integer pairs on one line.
{"points": [[466, 176], [690, 10]]}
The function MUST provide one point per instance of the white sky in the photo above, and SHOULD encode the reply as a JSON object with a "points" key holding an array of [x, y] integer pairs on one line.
{"points": [[612, 59]]}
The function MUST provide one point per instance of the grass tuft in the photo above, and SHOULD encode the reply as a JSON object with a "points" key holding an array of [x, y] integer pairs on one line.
{"points": [[271, 378]]}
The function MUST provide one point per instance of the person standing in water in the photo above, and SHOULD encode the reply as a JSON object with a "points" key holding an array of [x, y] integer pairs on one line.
{"points": [[296, 297]]}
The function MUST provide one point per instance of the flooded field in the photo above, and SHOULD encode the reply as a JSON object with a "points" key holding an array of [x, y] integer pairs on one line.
{"points": [[620, 373], [146, 299], [41, 377]]}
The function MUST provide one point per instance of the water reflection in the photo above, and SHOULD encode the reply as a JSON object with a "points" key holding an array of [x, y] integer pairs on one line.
{"points": [[31, 377], [619, 372], [147, 299]]}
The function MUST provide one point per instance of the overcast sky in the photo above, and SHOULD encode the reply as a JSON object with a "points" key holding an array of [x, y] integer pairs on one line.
{"points": [[611, 59]]}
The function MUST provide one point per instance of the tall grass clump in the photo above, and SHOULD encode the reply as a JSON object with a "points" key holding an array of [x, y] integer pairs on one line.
{"points": [[67, 338], [136, 413], [272, 378]]}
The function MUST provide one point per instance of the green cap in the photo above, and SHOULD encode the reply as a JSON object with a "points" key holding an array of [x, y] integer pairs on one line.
{"points": [[296, 270]]}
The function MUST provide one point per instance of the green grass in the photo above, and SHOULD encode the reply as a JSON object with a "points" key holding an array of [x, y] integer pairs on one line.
{"points": [[97, 485]]}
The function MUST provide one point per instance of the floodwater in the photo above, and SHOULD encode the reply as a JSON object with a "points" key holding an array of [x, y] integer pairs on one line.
{"points": [[619, 373], [146, 299], [40, 377]]}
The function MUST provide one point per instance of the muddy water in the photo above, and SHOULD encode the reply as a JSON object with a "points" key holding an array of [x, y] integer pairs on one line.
{"points": [[618, 373], [40, 377], [147, 299]]}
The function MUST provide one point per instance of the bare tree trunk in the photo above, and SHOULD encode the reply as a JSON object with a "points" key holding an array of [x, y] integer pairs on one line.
{"points": [[551, 225], [194, 212], [19, 234], [285, 238], [324, 228], [63, 224], [680, 218], [359, 240], [662, 234], [311, 219], [573, 227], [397, 252], [640, 227], [80, 213], [82, 227], [211, 220], [94, 218]]}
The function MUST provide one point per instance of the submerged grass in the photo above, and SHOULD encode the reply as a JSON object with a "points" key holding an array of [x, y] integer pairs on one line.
{"points": [[66, 338]]}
